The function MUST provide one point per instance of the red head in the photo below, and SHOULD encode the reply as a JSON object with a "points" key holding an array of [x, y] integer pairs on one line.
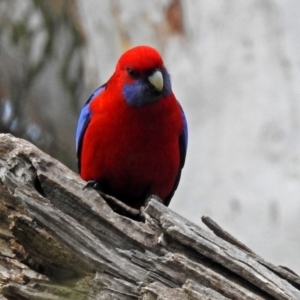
{"points": [[142, 76], [140, 58]]}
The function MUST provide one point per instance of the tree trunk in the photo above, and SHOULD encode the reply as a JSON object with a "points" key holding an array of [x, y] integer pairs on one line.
{"points": [[60, 241]]}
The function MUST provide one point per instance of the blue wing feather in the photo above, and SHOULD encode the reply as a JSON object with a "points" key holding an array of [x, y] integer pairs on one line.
{"points": [[83, 121], [183, 142], [184, 139]]}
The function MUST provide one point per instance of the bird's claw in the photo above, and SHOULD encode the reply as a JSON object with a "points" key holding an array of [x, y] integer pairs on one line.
{"points": [[93, 184]]}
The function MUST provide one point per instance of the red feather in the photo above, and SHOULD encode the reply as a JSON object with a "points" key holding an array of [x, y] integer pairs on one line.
{"points": [[133, 151]]}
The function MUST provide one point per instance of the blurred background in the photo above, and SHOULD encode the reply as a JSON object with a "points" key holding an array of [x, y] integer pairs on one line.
{"points": [[235, 68]]}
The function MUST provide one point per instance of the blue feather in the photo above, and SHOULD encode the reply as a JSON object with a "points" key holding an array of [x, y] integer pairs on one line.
{"points": [[184, 138], [140, 92], [84, 120], [183, 142]]}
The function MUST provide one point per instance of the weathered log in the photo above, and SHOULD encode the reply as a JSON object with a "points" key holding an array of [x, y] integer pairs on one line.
{"points": [[58, 241]]}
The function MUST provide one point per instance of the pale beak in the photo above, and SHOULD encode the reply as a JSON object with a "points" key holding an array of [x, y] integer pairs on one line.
{"points": [[157, 80]]}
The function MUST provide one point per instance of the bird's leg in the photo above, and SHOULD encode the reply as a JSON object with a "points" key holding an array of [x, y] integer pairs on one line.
{"points": [[115, 204], [93, 184]]}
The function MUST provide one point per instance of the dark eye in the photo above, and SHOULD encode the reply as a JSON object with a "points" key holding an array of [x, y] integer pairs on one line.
{"points": [[132, 73]]}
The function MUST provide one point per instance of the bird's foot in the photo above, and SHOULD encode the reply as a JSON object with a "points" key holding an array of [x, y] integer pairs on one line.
{"points": [[93, 184], [155, 197], [115, 204]]}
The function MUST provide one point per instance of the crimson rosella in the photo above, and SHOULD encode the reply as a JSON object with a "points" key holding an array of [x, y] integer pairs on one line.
{"points": [[131, 135]]}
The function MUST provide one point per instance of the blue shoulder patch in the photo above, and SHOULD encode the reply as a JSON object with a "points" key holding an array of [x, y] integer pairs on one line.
{"points": [[84, 119]]}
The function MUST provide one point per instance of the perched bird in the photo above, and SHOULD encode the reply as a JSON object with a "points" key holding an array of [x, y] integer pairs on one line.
{"points": [[131, 136]]}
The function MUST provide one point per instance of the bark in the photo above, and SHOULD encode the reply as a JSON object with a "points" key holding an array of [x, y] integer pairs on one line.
{"points": [[60, 241]]}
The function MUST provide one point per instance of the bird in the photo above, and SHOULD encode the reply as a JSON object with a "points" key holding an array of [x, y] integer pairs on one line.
{"points": [[132, 135]]}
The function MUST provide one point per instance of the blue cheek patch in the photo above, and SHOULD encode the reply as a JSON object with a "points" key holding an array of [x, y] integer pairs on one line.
{"points": [[167, 83], [134, 94], [139, 93]]}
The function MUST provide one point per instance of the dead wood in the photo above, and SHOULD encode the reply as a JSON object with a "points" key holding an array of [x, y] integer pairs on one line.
{"points": [[58, 241]]}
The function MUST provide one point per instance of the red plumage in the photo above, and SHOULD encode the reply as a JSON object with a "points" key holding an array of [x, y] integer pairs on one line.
{"points": [[133, 151]]}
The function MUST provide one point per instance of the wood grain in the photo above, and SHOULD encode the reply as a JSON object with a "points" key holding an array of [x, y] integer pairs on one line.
{"points": [[58, 241]]}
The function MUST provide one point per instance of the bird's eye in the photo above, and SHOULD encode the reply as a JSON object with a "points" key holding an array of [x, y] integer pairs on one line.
{"points": [[132, 73]]}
